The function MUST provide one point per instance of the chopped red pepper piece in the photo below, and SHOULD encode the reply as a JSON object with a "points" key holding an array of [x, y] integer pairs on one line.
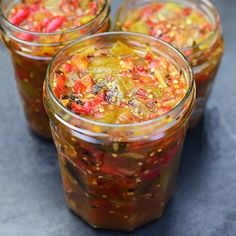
{"points": [[78, 108], [54, 24], [141, 93], [187, 11], [20, 16]]}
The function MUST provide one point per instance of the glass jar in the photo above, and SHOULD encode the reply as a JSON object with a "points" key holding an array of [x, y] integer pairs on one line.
{"points": [[204, 58], [31, 53], [119, 176]]}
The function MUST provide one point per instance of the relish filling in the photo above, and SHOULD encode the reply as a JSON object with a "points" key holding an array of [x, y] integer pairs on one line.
{"points": [[180, 25], [119, 84], [47, 16]]}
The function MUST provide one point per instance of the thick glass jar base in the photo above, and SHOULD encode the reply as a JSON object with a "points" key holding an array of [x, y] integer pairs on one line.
{"points": [[96, 224], [106, 211]]}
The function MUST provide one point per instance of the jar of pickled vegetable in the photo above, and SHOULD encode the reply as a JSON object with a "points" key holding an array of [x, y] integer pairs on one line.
{"points": [[193, 26], [119, 106], [34, 31]]}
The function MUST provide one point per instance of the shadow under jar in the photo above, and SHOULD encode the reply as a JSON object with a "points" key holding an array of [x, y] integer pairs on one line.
{"points": [[32, 46], [193, 26], [117, 175]]}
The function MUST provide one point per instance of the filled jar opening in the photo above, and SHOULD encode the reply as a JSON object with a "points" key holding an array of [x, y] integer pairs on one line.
{"points": [[119, 84]]}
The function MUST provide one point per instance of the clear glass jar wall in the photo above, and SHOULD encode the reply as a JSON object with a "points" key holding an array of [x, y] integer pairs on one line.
{"points": [[119, 176], [31, 53], [204, 58]]}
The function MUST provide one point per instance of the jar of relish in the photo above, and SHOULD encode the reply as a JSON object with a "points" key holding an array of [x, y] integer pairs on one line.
{"points": [[193, 26], [34, 31], [119, 107]]}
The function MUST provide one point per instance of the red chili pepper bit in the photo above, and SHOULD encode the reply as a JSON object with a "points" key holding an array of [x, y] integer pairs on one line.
{"points": [[140, 69], [79, 109], [144, 80], [165, 110], [90, 107], [187, 11], [141, 93], [151, 25], [25, 37], [74, 3], [45, 22], [170, 155], [151, 174], [101, 97], [79, 87], [57, 93], [188, 52], [153, 116], [20, 16], [67, 68], [108, 169], [206, 28], [55, 24], [93, 6], [149, 56], [167, 38], [34, 7], [86, 109], [60, 88], [159, 6], [68, 6], [148, 11]]}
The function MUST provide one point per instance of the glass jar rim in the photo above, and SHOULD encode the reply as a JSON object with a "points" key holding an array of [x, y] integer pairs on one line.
{"points": [[71, 30], [211, 10], [110, 125]]}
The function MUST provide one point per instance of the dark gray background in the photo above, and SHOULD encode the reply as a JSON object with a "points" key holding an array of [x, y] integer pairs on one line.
{"points": [[31, 195]]}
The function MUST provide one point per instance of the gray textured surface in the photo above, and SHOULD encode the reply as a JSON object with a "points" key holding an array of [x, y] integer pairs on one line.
{"points": [[31, 196]]}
